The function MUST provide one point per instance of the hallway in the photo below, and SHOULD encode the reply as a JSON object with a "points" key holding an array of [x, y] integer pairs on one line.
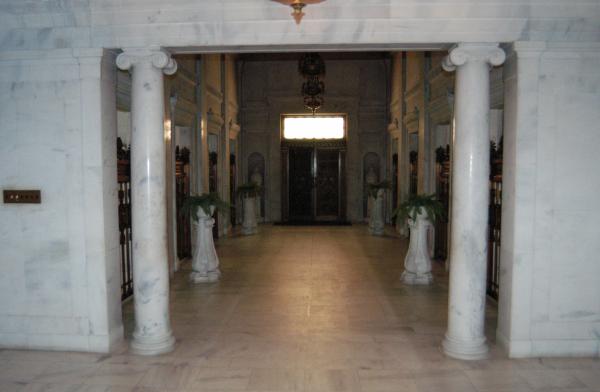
{"points": [[301, 309]]}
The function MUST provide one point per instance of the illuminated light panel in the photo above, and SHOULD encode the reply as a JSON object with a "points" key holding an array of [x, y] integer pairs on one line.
{"points": [[313, 127]]}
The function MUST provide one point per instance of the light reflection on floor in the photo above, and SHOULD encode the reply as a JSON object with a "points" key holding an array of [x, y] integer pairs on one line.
{"points": [[301, 309]]}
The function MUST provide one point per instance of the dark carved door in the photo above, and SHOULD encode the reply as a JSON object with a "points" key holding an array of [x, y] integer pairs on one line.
{"points": [[327, 185], [301, 184], [212, 185]]}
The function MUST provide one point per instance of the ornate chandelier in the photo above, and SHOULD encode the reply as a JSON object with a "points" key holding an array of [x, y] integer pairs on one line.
{"points": [[311, 66]]}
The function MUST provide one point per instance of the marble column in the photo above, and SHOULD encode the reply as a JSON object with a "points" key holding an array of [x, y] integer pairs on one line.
{"points": [[152, 334], [465, 338]]}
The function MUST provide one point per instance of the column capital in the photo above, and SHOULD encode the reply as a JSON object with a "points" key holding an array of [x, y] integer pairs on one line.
{"points": [[462, 53], [158, 57]]}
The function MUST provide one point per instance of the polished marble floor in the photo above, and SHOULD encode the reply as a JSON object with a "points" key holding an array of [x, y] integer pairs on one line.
{"points": [[301, 309]]}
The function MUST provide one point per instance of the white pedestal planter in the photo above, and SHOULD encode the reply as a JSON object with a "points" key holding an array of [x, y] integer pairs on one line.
{"points": [[417, 264], [205, 262], [376, 223], [249, 225]]}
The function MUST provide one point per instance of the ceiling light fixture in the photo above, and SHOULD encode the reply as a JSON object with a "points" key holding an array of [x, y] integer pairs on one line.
{"points": [[312, 67], [298, 6]]}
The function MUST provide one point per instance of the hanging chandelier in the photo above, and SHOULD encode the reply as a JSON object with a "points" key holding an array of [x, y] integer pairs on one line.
{"points": [[311, 66], [298, 7]]}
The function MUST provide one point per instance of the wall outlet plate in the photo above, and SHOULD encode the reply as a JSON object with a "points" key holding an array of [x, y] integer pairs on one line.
{"points": [[22, 196]]}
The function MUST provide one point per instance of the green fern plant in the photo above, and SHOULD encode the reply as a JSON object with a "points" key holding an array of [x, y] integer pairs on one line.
{"points": [[433, 208], [250, 189], [204, 201], [373, 189]]}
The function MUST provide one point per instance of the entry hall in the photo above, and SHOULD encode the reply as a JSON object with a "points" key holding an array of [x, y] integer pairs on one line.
{"points": [[359, 196], [301, 309]]}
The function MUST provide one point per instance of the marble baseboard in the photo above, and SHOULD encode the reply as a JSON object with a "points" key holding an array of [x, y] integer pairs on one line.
{"points": [[549, 348], [52, 342]]}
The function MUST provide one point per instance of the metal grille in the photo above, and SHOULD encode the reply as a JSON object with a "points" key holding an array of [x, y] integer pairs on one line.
{"points": [[443, 195], [494, 222], [124, 194]]}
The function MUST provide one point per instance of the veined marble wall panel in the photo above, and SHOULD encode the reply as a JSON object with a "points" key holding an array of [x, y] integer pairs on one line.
{"points": [[549, 279], [59, 288], [31, 25]]}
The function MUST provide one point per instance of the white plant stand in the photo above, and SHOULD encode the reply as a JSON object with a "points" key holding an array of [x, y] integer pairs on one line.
{"points": [[205, 262], [417, 264], [376, 223], [249, 225]]}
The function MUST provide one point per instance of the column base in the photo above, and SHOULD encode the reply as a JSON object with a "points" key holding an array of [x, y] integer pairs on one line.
{"points": [[416, 279], [209, 277], [249, 230], [469, 350], [143, 345]]}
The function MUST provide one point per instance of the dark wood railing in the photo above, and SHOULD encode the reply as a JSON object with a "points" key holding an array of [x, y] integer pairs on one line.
{"points": [[494, 222], [124, 194], [442, 191]]}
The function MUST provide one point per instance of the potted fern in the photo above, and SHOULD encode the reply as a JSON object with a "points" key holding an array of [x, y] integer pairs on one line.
{"points": [[419, 211], [205, 262], [376, 192], [248, 193]]}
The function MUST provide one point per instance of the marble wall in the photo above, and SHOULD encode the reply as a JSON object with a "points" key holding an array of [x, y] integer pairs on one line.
{"points": [[356, 87], [31, 25], [550, 296], [59, 275]]}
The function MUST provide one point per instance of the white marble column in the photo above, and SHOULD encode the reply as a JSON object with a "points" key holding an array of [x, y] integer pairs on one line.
{"points": [[465, 338], [152, 333]]}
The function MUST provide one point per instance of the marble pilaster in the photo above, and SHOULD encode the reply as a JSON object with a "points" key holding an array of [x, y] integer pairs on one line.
{"points": [[465, 337], [152, 334]]}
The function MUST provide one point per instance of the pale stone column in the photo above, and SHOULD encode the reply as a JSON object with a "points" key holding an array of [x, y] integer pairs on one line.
{"points": [[152, 333], [465, 338]]}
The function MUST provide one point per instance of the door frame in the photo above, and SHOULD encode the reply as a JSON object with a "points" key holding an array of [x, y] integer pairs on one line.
{"points": [[315, 145]]}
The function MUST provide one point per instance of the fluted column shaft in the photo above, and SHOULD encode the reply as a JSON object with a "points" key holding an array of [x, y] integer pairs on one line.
{"points": [[152, 334], [465, 338]]}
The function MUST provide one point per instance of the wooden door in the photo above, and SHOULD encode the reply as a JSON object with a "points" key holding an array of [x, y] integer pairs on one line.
{"points": [[300, 189]]}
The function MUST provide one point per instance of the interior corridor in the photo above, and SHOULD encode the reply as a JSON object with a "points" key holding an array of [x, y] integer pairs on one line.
{"points": [[301, 309]]}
